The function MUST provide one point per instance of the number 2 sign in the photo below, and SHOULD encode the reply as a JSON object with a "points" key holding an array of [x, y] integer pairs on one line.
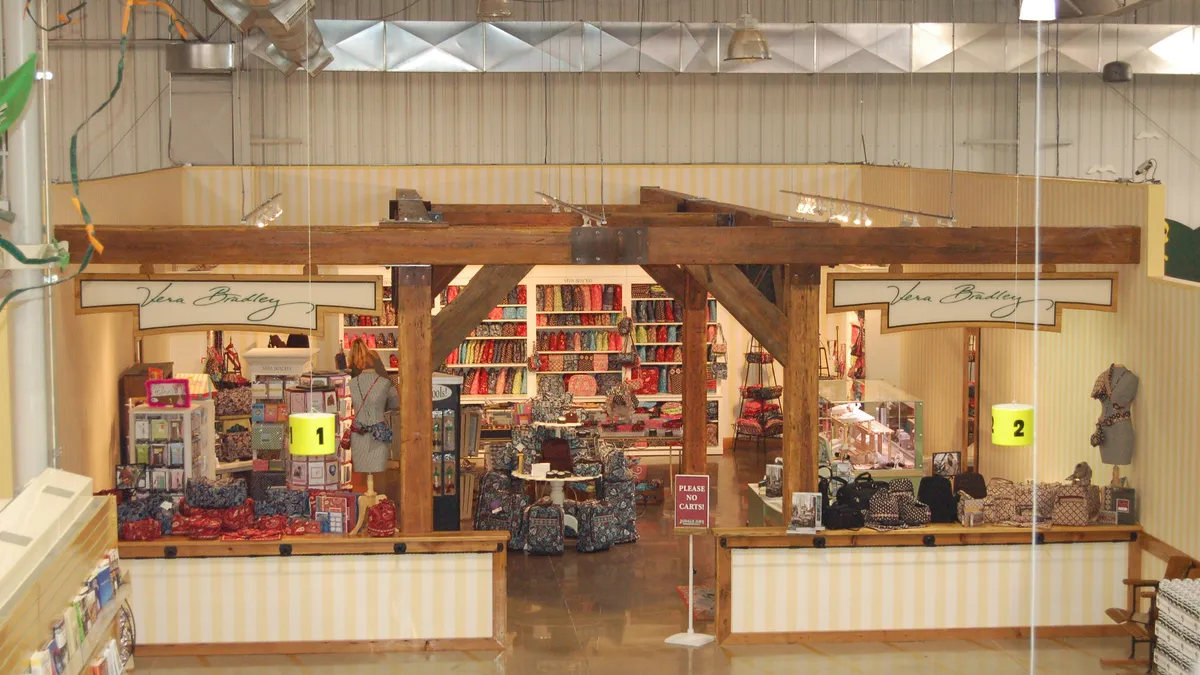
{"points": [[1012, 424]]}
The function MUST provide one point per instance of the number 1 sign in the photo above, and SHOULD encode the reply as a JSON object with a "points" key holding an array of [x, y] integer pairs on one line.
{"points": [[312, 434]]}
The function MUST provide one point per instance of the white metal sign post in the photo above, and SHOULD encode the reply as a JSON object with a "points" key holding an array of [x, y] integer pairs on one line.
{"points": [[692, 515]]}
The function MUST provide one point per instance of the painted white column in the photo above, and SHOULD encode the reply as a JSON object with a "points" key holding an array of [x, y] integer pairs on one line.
{"points": [[29, 343]]}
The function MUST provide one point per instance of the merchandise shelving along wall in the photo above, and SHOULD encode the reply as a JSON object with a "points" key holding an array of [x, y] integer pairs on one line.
{"points": [[493, 359], [593, 325]]}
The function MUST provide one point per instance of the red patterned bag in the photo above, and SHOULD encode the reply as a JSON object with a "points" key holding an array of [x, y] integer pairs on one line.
{"points": [[582, 385], [239, 517], [381, 519], [271, 523], [300, 526], [148, 529], [205, 529]]}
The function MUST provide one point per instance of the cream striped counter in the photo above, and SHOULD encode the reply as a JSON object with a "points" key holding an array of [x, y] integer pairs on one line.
{"points": [[934, 582], [320, 594]]}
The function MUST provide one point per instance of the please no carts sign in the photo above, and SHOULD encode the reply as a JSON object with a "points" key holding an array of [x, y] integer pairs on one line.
{"points": [[691, 502]]}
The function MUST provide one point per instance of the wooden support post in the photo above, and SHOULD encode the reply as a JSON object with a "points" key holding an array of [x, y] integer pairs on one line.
{"points": [[740, 298], [695, 375], [411, 293], [800, 381], [488, 288]]}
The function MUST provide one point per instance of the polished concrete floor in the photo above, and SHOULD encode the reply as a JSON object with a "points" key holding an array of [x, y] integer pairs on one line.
{"points": [[608, 614]]}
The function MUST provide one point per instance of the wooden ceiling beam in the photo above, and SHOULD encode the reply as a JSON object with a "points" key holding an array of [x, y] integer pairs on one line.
{"points": [[513, 245], [542, 208], [671, 277], [548, 219], [743, 216], [488, 288], [740, 298]]}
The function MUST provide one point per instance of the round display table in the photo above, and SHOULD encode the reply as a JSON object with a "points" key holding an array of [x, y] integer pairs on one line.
{"points": [[556, 492]]}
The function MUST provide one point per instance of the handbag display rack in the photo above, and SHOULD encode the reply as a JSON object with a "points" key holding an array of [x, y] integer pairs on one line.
{"points": [[759, 371]]}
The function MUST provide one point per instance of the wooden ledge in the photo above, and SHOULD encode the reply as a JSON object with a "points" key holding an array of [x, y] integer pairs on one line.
{"points": [[317, 544], [319, 647], [943, 535]]}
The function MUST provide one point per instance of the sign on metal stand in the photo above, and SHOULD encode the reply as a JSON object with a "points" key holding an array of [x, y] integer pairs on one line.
{"points": [[692, 515]]}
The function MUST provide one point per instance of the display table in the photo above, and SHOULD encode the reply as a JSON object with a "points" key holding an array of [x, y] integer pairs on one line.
{"points": [[933, 582], [764, 511], [557, 495], [320, 594]]}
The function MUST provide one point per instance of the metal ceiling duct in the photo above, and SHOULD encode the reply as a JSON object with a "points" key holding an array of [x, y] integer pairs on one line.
{"points": [[1096, 9], [281, 32]]}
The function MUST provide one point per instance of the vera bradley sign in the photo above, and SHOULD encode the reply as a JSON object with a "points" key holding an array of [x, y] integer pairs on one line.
{"points": [[937, 300], [186, 302]]}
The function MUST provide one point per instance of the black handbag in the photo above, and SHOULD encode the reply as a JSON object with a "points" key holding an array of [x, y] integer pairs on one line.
{"points": [[826, 483], [857, 494], [840, 517], [972, 484]]}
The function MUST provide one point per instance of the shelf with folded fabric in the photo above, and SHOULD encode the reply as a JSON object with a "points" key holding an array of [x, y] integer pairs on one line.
{"points": [[575, 372], [667, 323], [662, 363], [498, 337], [486, 365], [592, 351], [369, 328], [577, 327], [581, 311], [504, 321], [671, 397], [659, 344]]}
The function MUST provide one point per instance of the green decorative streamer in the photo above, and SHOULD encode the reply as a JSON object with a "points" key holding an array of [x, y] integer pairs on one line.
{"points": [[14, 92]]}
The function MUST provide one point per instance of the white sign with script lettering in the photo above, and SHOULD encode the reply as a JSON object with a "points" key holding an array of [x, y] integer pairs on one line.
{"points": [[936, 300], [189, 302]]}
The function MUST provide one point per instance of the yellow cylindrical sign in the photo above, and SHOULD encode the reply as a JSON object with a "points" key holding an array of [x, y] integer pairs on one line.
{"points": [[1012, 424], [312, 434]]}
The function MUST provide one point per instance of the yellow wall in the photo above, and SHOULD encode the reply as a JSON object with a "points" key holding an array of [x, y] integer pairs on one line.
{"points": [[6, 454], [1152, 333]]}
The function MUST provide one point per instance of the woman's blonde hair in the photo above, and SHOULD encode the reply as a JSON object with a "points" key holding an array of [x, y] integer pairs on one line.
{"points": [[361, 357]]}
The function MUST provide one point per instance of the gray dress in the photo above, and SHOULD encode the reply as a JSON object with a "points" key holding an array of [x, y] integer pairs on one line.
{"points": [[368, 454], [1115, 389]]}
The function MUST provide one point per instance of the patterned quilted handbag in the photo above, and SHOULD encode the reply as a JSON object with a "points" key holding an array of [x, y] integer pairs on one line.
{"points": [[598, 526], [616, 467], [883, 511], [1071, 508], [232, 400], [235, 447], [543, 528], [622, 495], [675, 380], [582, 385], [968, 504], [915, 514]]}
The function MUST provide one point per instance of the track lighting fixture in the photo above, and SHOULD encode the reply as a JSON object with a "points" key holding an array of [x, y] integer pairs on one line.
{"points": [[264, 214]]}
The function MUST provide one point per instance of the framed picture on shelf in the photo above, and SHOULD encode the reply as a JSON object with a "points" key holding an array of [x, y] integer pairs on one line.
{"points": [[805, 513], [947, 463], [167, 394]]}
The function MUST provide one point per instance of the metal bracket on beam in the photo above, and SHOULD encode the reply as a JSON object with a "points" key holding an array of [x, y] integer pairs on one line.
{"points": [[608, 246], [32, 252], [413, 275]]}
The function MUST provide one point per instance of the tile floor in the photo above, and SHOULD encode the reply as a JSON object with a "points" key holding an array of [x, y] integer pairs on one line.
{"points": [[608, 614]]}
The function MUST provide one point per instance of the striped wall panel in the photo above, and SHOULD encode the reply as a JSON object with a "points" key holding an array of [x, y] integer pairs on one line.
{"points": [[902, 588], [313, 598]]}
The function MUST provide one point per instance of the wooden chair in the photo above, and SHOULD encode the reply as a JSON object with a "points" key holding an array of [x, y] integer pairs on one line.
{"points": [[1139, 624]]}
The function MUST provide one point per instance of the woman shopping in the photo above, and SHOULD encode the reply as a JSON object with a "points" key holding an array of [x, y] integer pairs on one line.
{"points": [[373, 394]]}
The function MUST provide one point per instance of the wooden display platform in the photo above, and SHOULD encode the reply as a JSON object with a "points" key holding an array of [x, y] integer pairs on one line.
{"points": [[316, 544], [936, 582], [320, 594]]}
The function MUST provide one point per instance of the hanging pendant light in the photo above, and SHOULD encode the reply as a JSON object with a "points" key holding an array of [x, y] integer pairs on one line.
{"points": [[748, 43], [488, 10], [1038, 10]]}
